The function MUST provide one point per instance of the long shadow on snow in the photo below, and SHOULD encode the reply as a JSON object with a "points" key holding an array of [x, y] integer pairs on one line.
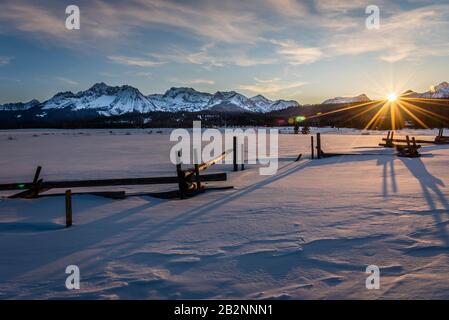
{"points": [[430, 184], [173, 224], [87, 237]]}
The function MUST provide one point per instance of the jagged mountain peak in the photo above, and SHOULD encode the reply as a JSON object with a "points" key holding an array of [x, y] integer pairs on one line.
{"points": [[104, 99], [231, 101], [98, 86], [259, 97], [19, 106], [175, 91], [340, 100], [440, 91], [226, 94], [115, 100], [64, 94], [442, 86]]}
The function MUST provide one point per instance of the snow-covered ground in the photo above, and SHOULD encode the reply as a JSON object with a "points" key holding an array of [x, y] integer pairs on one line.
{"points": [[309, 231]]}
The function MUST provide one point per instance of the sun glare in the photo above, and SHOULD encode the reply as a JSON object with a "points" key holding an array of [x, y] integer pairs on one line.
{"points": [[392, 97]]}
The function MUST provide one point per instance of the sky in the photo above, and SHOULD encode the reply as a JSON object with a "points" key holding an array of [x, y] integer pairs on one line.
{"points": [[306, 50]]}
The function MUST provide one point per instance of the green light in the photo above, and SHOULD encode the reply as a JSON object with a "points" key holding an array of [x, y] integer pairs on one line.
{"points": [[300, 118], [21, 186]]}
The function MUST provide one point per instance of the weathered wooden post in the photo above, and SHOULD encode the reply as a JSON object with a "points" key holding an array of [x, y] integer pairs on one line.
{"points": [[313, 151], [243, 158], [197, 170], [37, 174], [234, 155], [36, 183], [68, 208], [180, 175], [389, 143], [318, 145]]}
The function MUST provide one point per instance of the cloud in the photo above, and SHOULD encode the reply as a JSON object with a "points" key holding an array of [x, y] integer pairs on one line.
{"points": [[134, 61], [67, 81], [288, 8], [139, 74], [267, 80], [192, 81], [303, 32], [406, 35], [337, 7], [234, 57], [202, 81], [271, 86], [31, 18], [213, 55], [4, 60], [215, 20], [296, 54]]}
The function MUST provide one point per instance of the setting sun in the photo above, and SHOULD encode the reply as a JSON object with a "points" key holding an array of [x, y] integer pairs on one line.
{"points": [[392, 97]]}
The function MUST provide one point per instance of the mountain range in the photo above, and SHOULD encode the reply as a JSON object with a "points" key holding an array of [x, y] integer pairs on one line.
{"points": [[440, 91], [341, 100], [108, 101]]}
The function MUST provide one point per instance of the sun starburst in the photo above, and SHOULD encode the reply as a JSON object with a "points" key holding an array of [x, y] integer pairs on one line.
{"points": [[392, 97], [399, 109]]}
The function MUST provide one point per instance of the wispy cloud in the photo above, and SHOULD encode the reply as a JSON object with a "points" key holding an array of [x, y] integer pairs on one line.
{"points": [[215, 20], [67, 81], [296, 54], [29, 17], [213, 55], [202, 81], [411, 34], [139, 74], [271, 86], [4, 60], [338, 25], [134, 61], [276, 79], [192, 81]]}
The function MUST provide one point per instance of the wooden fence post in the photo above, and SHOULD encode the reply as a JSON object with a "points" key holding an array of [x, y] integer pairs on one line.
{"points": [[234, 159], [313, 151], [36, 182], [37, 174], [243, 158], [180, 175], [197, 169], [68, 208], [318, 145]]}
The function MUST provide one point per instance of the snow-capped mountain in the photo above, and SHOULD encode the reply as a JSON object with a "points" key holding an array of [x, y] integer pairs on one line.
{"points": [[440, 91], [341, 100], [19, 106], [104, 99], [190, 100], [108, 100], [410, 94], [181, 99], [230, 101], [265, 105]]}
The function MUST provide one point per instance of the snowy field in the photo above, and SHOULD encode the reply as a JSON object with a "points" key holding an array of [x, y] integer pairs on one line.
{"points": [[307, 232]]}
